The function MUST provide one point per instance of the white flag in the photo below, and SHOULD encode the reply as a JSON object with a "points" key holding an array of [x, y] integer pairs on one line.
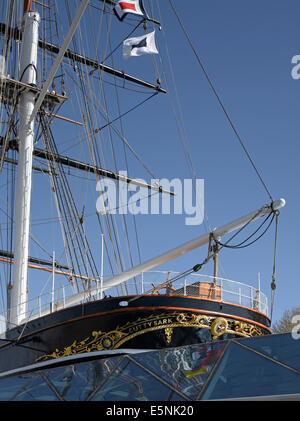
{"points": [[139, 45]]}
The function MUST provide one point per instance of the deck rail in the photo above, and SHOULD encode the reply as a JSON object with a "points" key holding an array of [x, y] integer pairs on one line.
{"points": [[154, 282]]}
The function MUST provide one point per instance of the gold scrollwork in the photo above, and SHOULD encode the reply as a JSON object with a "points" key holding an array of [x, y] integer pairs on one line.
{"points": [[168, 333], [218, 327], [99, 340], [181, 318]]}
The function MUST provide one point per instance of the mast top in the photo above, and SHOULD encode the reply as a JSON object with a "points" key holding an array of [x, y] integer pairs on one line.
{"points": [[27, 6]]}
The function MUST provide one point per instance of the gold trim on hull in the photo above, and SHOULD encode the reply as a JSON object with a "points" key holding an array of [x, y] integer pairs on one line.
{"points": [[99, 340]]}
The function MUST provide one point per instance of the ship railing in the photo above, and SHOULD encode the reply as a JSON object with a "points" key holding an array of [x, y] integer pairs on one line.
{"points": [[153, 282], [202, 286]]}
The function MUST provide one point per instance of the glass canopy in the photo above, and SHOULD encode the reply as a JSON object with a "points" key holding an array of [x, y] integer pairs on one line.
{"points": [[230, 369]]}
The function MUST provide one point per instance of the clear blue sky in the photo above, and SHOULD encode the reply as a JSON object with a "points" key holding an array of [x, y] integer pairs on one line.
{"points": [[246, 48]]}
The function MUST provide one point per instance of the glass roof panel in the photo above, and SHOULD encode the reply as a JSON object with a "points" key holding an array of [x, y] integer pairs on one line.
{"points": [[131, 383], [186, 368], [170, 374], [75, 382], [26, 387], [243, 373], [281, 347]]}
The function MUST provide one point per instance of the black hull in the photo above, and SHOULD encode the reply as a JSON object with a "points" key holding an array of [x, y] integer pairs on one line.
{"points": [[146, 322]]}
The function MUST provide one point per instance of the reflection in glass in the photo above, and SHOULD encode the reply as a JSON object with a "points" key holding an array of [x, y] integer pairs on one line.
{"points": [[76, 382], [131, 383], [26, 387], [243, 373], [185, 369], [281, 347], [202, 371]]}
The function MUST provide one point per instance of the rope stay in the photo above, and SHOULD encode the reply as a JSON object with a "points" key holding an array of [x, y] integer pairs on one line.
{"points": [[273, 283], [221, 102], [212, 251], [275, 214]]}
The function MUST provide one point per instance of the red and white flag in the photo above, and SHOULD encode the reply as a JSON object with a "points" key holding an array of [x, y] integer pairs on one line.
{"points": [[136, 7]]}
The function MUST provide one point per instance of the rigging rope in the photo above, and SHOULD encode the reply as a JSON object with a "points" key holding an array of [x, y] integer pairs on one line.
{"points": [[127, 169], [273, 283], [220, 102], [126, 112], [179, 119], [242, 245], [119, 45], [210, 255], [73, 231], [94, 151], [94, 146], [113, 227]]}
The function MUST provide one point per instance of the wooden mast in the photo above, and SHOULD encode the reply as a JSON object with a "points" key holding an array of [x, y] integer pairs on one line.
{"points": [[27, 6]]}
